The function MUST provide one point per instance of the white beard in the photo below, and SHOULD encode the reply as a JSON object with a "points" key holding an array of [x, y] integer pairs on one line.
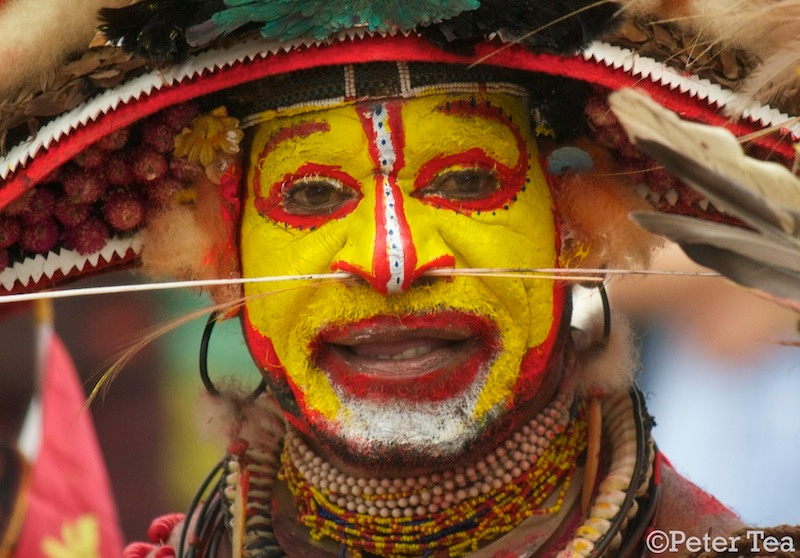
{"points": [[432, 428]]}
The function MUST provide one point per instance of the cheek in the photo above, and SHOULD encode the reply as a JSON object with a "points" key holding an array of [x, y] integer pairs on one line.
{"points": [[271, 249]]}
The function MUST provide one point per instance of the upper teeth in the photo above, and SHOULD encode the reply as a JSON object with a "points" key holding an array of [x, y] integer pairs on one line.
{"points": [[408, 353]]}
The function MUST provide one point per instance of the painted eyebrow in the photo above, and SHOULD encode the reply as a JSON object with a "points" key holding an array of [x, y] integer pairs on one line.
{"points": [[484, 110], [299, 130]]}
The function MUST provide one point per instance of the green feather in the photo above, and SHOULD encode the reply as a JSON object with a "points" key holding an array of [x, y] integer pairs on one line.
{"points": [[288, 19]]}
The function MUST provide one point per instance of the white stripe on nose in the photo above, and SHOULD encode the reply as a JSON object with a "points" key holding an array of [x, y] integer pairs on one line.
{"points": [[387, 157]]}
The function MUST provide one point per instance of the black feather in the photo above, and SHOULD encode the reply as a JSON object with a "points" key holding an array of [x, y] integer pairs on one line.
{"points": [[561, 27], [156, 29]]}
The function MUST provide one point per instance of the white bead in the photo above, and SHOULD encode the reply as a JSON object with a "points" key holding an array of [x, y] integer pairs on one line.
{"points": [[581, 546]]}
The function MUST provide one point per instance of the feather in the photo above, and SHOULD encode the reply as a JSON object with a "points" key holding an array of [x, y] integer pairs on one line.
{"points": [[562, 26], [767, 30], [757, 204], [771, 80], [165, 29], [289, 19], [156, 29], [710, 158], [752, 245], [764, 195]]}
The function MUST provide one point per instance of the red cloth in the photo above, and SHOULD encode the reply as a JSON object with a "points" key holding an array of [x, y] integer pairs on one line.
{"points": [[69, 497]]}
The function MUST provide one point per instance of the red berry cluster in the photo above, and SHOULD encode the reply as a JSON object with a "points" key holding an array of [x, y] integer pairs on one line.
{"points": [[107, 189]]}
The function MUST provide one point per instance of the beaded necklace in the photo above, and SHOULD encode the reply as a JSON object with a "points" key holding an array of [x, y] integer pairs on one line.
{"points": [[451, 512]]}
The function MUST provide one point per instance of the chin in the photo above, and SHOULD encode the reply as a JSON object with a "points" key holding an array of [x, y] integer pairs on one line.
{"points": [[382, 437], [393, 434], [440, 444]]}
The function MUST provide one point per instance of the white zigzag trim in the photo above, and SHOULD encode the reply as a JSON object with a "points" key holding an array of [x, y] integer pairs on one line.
{"points": [[703, 89], [110, 99], [134, 89], [65, 261]]}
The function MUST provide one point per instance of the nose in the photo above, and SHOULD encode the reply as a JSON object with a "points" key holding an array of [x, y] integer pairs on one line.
{"points": [[404, 246]]}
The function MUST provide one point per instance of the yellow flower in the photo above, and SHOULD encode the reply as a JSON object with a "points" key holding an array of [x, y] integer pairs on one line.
{"points": [[207, 135], [79, 539]]}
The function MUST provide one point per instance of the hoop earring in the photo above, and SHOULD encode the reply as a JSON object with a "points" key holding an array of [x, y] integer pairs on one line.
{"points": [[606, 313], [203, 364]]}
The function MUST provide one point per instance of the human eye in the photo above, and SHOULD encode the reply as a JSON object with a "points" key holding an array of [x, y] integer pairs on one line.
{"points": [[465, 184], [316, 195]]}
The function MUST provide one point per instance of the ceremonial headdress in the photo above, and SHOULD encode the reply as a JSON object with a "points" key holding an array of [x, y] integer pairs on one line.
{"points": [[97, 143]]}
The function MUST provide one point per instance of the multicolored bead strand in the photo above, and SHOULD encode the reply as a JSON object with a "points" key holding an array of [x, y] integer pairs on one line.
{"points": [[451, 512]]}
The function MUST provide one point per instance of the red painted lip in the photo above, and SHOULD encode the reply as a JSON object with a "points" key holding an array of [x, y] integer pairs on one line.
{"points": [[428, 357]]}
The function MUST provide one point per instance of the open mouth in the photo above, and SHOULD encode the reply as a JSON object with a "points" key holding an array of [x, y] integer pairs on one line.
{"points": [[421, 357]]}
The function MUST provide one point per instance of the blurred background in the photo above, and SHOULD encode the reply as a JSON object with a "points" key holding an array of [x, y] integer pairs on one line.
{"points": [[722, 388], [722, 380], [145, 421]]}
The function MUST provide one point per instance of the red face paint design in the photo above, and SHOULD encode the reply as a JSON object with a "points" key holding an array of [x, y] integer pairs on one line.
{"points": [[387, 190]]}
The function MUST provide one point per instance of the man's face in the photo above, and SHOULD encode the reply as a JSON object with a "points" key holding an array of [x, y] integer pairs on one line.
{"points": [[399, 367]]}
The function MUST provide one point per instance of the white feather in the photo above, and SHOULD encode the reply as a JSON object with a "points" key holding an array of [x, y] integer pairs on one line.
{"points": [[764, 195], [714, 148]]}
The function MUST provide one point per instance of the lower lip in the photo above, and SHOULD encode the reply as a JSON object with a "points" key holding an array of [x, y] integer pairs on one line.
{"points": [[440, 374]]}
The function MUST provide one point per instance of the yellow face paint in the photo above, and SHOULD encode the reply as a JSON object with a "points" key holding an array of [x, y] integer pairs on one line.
{"points": [[388, 190]]}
